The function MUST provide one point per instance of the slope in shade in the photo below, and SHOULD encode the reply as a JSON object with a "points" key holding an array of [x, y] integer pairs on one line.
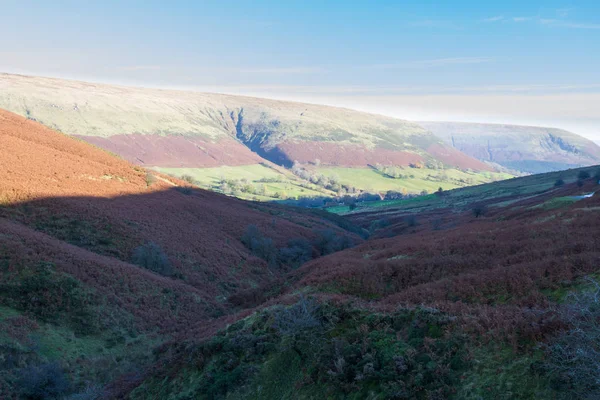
{"points": [[83, 195]]}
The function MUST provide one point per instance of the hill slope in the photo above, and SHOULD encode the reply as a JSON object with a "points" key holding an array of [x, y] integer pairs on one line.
{"points": [[527, 149], [455, 304], [176, 129], [100, 259], [184, 126]]}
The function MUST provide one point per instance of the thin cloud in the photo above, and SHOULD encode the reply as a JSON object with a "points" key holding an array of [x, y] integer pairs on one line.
{"points": [[525, 89], [438, 62], [140, 68], [282, 70], [550, 22], [430, 23], [568, 24], [415, 90], [494, 19], [563, 12]]}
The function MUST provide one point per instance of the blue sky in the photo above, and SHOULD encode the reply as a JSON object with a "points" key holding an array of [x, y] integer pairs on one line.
{"points": [[469, 60]]}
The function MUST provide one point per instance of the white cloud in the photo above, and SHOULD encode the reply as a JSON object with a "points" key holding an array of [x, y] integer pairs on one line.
{"points": [[522, 19], [494, 19]]}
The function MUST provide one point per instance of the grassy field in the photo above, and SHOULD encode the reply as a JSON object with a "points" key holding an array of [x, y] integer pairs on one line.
{"points": [[421, 179], [461, 197], [279, 183], [282, 182]]}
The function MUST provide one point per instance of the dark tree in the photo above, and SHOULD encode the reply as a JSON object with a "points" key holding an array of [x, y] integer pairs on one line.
{"points": [[153, 258], [559, 182], [582, 175], [479, 211]]}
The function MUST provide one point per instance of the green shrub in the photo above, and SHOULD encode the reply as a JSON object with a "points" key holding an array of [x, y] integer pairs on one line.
{"points": [[150, 256], [573, 354], [261, 246], [298, 317], [50, 296], [189, 179], [312, 350], [328, 241], [150, 179], [379, 224], [296, 253], [559, 182]]}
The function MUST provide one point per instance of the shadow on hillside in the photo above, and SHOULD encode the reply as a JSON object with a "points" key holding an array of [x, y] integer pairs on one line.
{"points": [[201, 232]]}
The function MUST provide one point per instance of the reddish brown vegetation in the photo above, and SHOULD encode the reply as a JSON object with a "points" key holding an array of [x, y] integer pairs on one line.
{"points": [[493, 272], [154, 301], [176, 151], [511, 257], [69, 191]]}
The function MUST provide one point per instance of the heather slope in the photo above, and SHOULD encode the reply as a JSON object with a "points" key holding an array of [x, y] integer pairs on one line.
{"points": [[101, 260], [447, 303], [68, 188], [527, 149]]}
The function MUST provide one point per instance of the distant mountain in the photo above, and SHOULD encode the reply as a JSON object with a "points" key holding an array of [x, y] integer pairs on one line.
{"points": [[177, 129], [527, 149], [174, 128]]}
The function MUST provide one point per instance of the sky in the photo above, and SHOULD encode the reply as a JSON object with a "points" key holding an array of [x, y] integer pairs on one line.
{"points": [[526, 62]]}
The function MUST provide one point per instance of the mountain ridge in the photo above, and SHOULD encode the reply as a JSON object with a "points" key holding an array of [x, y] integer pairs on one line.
{"points": [[274, 128], [528, 149]]}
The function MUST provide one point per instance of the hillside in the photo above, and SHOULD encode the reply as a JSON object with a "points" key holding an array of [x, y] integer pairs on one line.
{"points": [[447, 303], [176, 131], [119, 282], [526, 149], [101, 260]]}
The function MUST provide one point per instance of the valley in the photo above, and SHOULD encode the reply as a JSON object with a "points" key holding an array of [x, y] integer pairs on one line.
{"points": [[191, 133], [299, 200], [115, 276]]}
